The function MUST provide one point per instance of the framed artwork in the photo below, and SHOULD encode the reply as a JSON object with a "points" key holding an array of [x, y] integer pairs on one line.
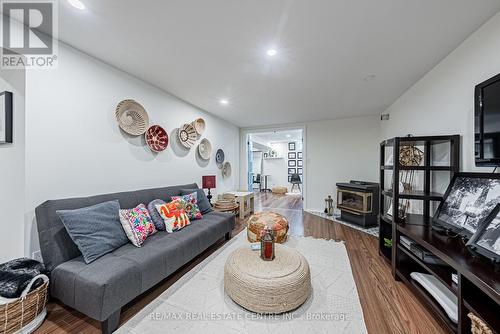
{"points": [[469, 199], [291, 170], [5, 117], [291, 146], [292, 163], [289, 178], [266, 155], [291, 155], [299, 155], [299, 163], [486, 241], [299, 171]]}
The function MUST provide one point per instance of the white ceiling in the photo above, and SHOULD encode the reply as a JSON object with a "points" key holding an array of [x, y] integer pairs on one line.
{"points": [[267, 138], [202, 51]]}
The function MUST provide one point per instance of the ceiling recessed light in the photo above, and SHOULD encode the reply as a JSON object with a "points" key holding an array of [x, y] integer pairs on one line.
{"points": [[77, 4], [224, 102], [272, 52], [288, 136], [370, 77]]}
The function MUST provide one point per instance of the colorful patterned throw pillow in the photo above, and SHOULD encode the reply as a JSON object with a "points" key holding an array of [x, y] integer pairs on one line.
{"points": [[173, 215], [137, 224], [190, 205]]}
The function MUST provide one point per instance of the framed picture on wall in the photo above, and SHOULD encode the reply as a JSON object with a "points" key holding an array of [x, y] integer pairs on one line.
{"points": [[291, 146], [299, 163], [292, 163], [291, 170], [5, 117], [289, 178], [299, 171], [291, 155], [299, 155]]}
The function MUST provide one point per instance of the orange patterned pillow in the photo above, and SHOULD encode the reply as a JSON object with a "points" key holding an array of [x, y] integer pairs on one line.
{"points": [[173, 215]]}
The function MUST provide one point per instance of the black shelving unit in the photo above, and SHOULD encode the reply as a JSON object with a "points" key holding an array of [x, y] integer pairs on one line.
{"points": [[478, 288], [428, 167]]}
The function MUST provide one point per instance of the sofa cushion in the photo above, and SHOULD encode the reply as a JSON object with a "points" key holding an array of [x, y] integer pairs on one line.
{"points": [[97, 289], [201, 199], [137, 224], [96, 229], [159, 256]]}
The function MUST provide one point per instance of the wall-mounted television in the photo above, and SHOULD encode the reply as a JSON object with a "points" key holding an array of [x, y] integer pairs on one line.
{"points": [[487, 122]]}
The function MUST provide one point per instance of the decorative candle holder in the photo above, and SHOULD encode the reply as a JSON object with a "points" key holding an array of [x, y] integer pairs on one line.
{"points": [[267, 245]]}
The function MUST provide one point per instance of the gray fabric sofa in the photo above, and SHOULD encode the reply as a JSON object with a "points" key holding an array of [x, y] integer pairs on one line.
{"points": [[101, 288]]}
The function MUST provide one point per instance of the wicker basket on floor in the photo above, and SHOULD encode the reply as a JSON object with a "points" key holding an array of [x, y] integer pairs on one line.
{"points": [[478, 326], [17, 314]]}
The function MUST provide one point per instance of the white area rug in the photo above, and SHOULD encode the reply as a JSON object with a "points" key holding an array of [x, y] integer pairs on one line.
{"points": [[369, 230], [197, 304]]}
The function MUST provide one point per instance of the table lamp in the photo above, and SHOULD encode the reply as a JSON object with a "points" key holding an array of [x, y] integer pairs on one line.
{"points": [[208, 182]]}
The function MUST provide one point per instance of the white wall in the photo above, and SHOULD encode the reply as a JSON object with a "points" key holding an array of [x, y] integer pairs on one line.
{"points": [[12, 167], [276, 168], [334, 151], [75, 148], [442, 102], [339, 151]]}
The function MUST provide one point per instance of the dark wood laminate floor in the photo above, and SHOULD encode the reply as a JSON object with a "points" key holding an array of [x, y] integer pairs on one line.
{"points": [[388, 306]]}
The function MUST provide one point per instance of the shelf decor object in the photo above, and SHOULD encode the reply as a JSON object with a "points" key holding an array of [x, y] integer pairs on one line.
{"points": [[199, 126], [219, 158], [469, 199], [208, 182], [156, 138], [440, 292], [226, 169], [205, 149], [478, 326], [6, 118], [132, 117], [486, 241], [187, 135], [409, 156], [267, 245]]}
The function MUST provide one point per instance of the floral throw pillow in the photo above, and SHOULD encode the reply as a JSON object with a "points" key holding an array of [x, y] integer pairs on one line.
{"points": [[137, 224], [190, 205], [173, 215]]}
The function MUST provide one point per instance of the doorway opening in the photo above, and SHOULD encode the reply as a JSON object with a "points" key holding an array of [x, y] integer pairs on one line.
{"points": [[276, 162]]}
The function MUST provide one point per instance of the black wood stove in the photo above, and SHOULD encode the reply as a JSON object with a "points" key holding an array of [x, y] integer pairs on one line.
{"points": [[358, 202]]}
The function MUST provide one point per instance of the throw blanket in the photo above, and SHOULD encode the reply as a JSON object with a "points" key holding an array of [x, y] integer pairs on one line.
{"points": [[17, 274]]}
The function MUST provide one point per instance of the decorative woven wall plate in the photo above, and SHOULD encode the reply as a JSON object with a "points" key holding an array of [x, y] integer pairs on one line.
{"points": [[187, 135], [219, 157], [132, 117], [156, 138], [226, 169], [205, 149], [199, 126]]}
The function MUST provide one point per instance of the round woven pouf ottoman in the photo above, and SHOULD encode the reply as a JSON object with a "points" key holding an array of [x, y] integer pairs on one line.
{"points": [[279, 190], [268, 287], [258, 221]]}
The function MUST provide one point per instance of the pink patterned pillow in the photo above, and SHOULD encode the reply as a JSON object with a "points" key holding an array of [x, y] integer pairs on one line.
{"points": [[190, 205], [137, 224]]}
